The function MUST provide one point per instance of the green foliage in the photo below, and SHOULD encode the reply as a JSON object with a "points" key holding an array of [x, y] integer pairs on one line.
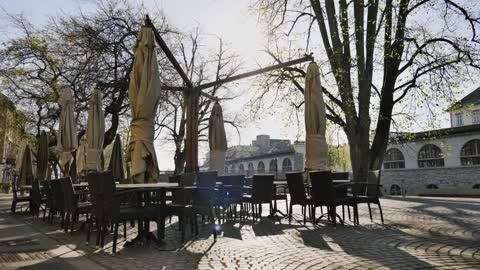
{"points": [[339, 157]]}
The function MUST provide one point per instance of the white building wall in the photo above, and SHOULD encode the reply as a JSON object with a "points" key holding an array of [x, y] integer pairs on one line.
{"points": [[451, 147], [467, 115]]}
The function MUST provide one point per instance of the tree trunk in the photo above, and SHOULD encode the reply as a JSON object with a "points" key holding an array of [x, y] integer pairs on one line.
{"points": [[179, 160]]}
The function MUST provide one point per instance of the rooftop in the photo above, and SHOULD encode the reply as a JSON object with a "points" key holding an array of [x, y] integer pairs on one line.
{"points": [[434, 134]]}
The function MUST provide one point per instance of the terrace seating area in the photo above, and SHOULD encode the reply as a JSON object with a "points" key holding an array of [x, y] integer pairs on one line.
{"points": [[99, 206], [421, 232]]}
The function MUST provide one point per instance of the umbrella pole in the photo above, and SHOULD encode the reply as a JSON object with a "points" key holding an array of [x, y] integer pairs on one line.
{"points": [[191, 144]]}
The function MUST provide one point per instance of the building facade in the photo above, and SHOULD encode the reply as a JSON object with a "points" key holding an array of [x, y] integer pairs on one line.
{"points": [[265, 156], [437, 162]]}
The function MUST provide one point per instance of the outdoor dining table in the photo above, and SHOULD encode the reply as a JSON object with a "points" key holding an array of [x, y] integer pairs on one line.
{"points": [[144, 234]]}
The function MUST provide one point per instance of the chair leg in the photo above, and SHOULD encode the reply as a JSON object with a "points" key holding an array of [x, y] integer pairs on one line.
{"points": [[14, 206], [115, 236], [343, 212], [67, 222], [333, 213], [381, 213], [290, 214], [286, 205], [125, 229], [304, 208], [89, 228], [74, 218], [348, 210], [370, 211]]}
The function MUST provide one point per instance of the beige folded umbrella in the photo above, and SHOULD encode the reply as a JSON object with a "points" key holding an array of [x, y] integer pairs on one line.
{"points": [[67, 133], [144, 94], [95, 132], [18, 159], [316, 149], [217, 139], [81, 158], [26, 168], [42, 156]]}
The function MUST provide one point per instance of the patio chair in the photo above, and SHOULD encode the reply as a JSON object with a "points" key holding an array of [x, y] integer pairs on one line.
{"points": [[73, 205], [232, 193], [207, 179], [58, 206], [324, 193], [19, 195], [38, 199], [47, 191], [298, 196], [261, 193], [112, 211], [342, 190], [181, 205], [204, 202], [368, 192]]}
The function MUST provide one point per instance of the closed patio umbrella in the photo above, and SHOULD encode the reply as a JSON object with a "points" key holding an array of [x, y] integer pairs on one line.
{"points": [[18, 159], [95, 132], [316, 149], [67, 133], [144, 93], [116, 161], [26, 168], [42, 156], [81, 158], [217, 140]]}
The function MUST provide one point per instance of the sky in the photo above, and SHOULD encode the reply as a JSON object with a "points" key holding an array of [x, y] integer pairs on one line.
{"points": [[233, 20]]}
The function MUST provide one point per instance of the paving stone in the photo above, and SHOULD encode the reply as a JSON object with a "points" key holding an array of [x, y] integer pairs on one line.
{"points": [[419, 233]]}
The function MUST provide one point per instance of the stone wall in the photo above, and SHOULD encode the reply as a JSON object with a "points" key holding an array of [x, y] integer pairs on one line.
{"points": [[415, 181]]}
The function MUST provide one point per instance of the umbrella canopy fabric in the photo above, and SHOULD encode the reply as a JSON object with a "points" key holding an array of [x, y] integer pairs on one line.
{"points": [[18, 160], [316, 149], [26, 168], [67, 133], [217, 139], [81, 158], [42, 156], [95, 132], [144, 93], [116, 161]]}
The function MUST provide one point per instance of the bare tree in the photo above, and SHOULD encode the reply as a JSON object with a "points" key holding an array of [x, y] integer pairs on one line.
{"points": [[200, 68], [377, 54]]}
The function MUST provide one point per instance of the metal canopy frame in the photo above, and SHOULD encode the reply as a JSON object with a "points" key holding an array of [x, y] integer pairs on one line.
{"points": [[192, 94]]}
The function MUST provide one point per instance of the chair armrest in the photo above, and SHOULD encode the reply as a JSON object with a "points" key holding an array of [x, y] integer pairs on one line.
{"points": [[81, 192], [365, 184]]}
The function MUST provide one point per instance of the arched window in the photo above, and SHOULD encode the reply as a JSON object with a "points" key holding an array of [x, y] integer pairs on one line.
{"points": [[241, 169], [432, 186], [261, 167], [470, 153], [395, 190], [250, 169], [476, 186], [233, 169], [226, 169], [394, 159], [430, 156], [287, 165], [271, 166]]}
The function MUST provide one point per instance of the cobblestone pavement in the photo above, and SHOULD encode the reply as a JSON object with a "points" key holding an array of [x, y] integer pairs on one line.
{"points": [[419, 233]]}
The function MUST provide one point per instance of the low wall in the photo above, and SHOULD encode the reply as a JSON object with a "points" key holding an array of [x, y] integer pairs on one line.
{"points": [[415, 181]]}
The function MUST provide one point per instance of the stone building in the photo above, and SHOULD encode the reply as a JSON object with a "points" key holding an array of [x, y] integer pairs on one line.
{"points": [[437, 162], [265, 156], [12, 131]]}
